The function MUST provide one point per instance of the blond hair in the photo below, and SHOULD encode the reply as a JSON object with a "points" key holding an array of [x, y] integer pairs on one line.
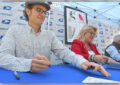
{"points": [[84, 30]]}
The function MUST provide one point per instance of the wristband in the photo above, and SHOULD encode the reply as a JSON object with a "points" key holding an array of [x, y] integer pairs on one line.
{"points": [[92, 58]]}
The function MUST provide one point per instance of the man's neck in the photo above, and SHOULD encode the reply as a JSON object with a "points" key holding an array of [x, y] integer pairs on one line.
{"points": [[35, 27]]}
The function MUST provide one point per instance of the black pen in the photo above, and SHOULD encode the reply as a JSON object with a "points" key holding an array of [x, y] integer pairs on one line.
{"points": [[16, 75]]}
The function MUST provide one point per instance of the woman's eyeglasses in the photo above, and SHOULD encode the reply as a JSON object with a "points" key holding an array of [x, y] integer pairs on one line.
{"points": [[92, 33], [39, 10]]}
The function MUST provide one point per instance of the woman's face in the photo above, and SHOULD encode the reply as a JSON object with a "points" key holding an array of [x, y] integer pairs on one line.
{"points": [[89, 36]]}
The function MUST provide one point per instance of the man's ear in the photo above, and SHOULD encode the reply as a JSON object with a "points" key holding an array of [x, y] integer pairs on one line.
{"points": [[27, 11]]}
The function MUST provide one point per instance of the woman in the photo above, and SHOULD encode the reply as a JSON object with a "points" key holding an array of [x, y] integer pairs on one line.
{"points": [[84, 46]]}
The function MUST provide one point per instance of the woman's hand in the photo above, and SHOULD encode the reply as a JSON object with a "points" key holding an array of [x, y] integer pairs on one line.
{"points": [[100, 59]]}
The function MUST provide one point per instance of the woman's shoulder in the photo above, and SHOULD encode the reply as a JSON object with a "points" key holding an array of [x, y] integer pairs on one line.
{"points": [[92, 45], [77, 41]]}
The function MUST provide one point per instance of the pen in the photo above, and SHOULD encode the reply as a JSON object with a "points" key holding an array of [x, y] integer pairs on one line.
{"points": [[16, 75]]}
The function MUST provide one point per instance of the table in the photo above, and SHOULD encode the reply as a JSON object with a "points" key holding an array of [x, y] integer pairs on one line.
{"points": [[56, 74]]}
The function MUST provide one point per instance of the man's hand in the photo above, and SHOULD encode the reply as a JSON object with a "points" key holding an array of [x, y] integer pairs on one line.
{"points": [[110, 60], [103, 59], [87, 65], [40, 63]]}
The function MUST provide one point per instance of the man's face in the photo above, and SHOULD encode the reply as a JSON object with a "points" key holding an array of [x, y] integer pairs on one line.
{"points": [[118, 42], [37, 14]]}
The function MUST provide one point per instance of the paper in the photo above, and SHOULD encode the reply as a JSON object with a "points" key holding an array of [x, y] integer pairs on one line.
{"points": [[97, 80]]}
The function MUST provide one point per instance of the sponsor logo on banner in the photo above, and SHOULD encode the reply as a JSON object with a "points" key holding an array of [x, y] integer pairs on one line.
{"points": [[50, 23], [60, 20], [96, 36], [1, 36], [7, 8], [101, 32], [22, 5], [96, 44], [102, 41], [60, 30], [99, 25], [51, 12], [22, 18], [62, 41], [106, 29], [6, 21], [46, 17]]}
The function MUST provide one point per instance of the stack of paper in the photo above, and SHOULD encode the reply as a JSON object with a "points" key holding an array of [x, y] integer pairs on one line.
{"points": [[98, 80]]}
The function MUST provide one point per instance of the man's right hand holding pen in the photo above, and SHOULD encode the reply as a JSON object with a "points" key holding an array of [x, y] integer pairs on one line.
{"points": [[40, 63]]}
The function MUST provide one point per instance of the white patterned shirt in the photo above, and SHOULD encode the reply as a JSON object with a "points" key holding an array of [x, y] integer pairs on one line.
{"points": [[21, 44]]}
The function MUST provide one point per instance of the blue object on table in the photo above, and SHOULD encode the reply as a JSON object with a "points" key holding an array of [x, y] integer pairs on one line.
{"points": [[113, 65]]}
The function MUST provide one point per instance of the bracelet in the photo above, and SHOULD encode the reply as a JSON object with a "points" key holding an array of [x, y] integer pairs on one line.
{"points": [[92, 58]]}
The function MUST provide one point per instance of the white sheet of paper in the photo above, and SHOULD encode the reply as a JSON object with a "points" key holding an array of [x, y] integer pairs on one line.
{"points": [[97, 80]]}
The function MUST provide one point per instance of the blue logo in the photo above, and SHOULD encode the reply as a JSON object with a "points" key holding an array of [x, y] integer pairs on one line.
{"points": [[22, 17], [51, 12], [102, 41], [46, 17], [6, 21], [101, 32], [7, 7], [96, 44], [106, 29], [1, 36], [50, 23], [60, 20], [96, 36], [69, 48], [22, 5], [60, 30], [99, 25], [62, 41]]}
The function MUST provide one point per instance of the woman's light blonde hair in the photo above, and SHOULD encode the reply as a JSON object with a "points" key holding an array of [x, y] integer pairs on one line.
{"points": [[84, 30]]}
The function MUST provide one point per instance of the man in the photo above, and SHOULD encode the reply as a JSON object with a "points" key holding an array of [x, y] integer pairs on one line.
{"points": [[113, 50], [28, 48]]}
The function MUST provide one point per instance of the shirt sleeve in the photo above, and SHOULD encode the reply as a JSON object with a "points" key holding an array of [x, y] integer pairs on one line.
{"points": [[64, 53], [77, 48], [8, 60], [113, 52]]}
